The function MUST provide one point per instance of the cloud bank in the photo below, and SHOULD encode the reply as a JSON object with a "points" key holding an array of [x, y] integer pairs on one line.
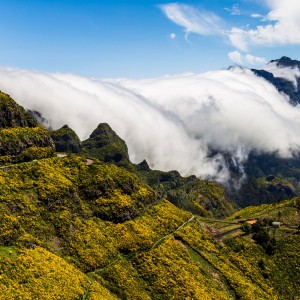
{"points": [[170, 121]]}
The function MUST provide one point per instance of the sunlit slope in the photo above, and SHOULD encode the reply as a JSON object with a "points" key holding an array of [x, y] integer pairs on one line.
{"points": [[75, 227]]}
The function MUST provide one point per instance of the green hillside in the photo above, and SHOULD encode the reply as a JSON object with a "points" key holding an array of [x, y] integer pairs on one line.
{"points": [[88, 225]]}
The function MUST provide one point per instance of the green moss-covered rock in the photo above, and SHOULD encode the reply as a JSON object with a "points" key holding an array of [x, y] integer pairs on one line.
{"points": [[107, 146], [13, 115], [66, 140]]}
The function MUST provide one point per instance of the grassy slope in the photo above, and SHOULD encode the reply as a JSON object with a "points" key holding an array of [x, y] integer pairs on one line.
{"points": [[72, 230], [48, 206]]}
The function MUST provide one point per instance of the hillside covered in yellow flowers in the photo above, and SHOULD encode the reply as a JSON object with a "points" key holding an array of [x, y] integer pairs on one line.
{"points": [[78, 220]]}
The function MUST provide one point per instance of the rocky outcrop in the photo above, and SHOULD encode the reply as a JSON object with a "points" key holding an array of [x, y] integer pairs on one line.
{"points": [[107, 146], [66, 140]]}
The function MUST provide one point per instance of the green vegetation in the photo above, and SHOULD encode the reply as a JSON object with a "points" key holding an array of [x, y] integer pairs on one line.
{"points": [[107, 146], [71, 228], [66, 140], [198, 196], [287, 212], [14, 141], [56, 205], [13, 115], [269, 189]]}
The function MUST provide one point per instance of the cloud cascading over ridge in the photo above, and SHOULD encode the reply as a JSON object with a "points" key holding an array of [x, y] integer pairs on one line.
{"points": [[290, 74], [170, 121]]}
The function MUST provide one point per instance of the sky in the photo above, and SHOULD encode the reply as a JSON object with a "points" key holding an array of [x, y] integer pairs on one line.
{"points": [[148, 38]]}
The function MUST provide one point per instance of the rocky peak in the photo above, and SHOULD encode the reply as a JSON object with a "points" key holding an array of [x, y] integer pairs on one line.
{"points": [[66, 140], [107, 146], [285, 61]]}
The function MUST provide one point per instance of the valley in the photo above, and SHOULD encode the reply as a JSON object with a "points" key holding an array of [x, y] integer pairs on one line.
{"points": [[86, 223]]}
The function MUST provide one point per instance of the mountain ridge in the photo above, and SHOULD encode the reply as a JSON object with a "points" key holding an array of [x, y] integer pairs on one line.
{"points": [[108, 235]]}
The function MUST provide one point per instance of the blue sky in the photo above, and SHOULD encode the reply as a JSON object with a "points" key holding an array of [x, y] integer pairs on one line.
{"points": [[145, 38]]}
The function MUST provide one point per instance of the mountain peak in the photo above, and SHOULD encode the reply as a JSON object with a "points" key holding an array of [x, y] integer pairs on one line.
{"points": [[285, 61], [66, 140], [107, 146]]}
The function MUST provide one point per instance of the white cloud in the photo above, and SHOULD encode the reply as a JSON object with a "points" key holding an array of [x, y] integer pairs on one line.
{"points": [[170, 121], [255, 60], [241, 59], [291, 74], [236, 57], [193, 20], [172, 36], [283, 27]]}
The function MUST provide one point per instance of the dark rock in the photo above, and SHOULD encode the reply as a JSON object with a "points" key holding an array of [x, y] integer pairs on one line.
{"points": [[285, 61], [143, 166], [282, 85], [270, 178]]}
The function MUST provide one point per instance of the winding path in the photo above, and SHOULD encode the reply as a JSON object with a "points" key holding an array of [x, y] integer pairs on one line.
{"points": [[154, 245], [167, 235]]}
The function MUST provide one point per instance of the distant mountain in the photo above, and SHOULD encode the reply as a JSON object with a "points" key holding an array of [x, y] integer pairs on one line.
{"points": [[284, 74], [266, 177], [285, 61]]}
